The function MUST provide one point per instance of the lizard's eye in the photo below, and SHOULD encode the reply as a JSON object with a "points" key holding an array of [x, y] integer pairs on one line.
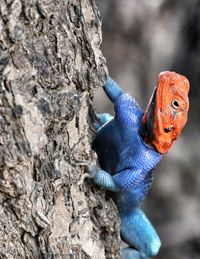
{"points": [[175, 104]]}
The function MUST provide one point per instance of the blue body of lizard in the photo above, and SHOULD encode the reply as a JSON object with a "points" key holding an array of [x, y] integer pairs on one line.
{"points": [[126, 170]]}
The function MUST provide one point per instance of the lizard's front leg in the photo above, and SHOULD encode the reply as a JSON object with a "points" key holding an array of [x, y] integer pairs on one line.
{"points": [[102, 178]]}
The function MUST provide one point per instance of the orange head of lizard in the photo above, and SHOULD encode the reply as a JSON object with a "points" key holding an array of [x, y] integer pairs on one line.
{"points": [[166, 113]]}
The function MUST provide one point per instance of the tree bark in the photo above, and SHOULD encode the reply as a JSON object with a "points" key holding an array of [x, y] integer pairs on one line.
{"points": [[50, 64]]}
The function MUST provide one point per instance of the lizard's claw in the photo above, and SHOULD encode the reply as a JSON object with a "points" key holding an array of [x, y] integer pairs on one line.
{"points": [[92, 169], [94, 156]]}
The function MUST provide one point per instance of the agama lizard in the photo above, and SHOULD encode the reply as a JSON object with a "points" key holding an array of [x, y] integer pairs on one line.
{"points": [[129, 145]]}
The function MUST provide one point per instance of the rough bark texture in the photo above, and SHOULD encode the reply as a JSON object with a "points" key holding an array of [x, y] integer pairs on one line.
{"points": [[50, 62]]}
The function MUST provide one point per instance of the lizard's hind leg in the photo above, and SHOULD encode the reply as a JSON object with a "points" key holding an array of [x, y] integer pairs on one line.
{"points": [[130, 253], [102, 119], [137, 231]]}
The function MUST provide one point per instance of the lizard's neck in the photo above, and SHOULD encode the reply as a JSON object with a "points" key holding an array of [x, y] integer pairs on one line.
{"points": [[146, 135]]}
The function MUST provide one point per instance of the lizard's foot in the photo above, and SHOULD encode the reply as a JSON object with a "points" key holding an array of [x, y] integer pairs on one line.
{"points": [[130, 253], [92, 169], [99, 176]]}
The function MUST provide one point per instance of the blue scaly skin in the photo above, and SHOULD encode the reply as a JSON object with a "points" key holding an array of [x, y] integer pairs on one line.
{"points": [[126, 163]]}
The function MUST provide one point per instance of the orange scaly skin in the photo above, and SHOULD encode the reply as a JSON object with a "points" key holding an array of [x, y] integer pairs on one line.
{"points": [[166, 113]]}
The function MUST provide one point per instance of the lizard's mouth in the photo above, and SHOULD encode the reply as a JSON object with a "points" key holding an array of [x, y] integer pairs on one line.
{"points": [[162, 146], [168, 129]]}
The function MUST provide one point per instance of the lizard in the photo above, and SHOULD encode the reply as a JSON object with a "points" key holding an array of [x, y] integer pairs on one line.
{"points": [[129, 145]]}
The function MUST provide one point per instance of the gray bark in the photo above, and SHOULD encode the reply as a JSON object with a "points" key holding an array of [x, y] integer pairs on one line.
{"points": [[50, 63]]}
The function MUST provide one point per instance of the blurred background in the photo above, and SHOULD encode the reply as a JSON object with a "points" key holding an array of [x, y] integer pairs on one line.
{"points": [[141, 38]]}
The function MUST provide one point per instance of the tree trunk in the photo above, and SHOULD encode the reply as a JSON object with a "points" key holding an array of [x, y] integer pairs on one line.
{"points": [[50, 63]]}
